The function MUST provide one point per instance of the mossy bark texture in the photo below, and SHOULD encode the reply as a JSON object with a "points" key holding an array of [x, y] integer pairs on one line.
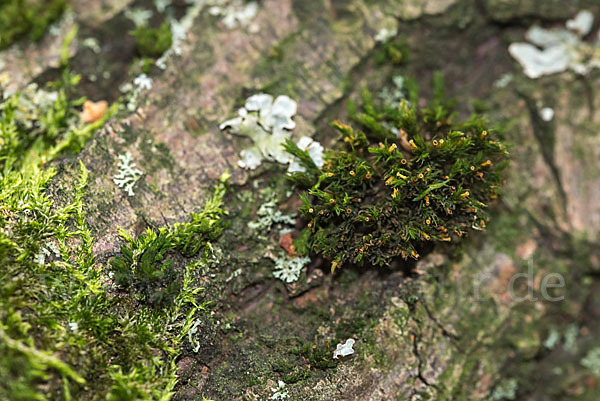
{"points": [[447, 328]]}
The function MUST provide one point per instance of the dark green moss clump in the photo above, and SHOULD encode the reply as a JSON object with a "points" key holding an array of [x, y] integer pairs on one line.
{"points": [[395, 52], [153, 42], [405, 177], [19, 18]]}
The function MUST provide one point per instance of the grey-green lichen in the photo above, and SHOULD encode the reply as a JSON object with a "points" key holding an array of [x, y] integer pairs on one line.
{"points": [[506, 390], [269, 215], [592, 361], [288, 269]]}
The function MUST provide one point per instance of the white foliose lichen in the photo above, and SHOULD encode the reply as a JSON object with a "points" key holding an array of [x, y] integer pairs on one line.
{"points": [[556, 50], [128, 174], [344, 349], [279, 392], [289, 269], [268, 123]]}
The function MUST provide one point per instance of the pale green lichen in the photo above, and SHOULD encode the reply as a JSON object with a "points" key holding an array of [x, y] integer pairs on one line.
{"points": [[191, 336], [386, 33], [553, 339], [503, 81], [132, 91], [128, 174], [270, 215], [393, 95], [289, 269], [592, 361], [179, 31], [571, 337], [32, 105], [556, 50], [506, 390], [48, 250], [161, 5]]}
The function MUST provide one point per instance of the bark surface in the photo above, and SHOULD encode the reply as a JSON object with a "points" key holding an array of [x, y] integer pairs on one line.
{"points": [[448, 328]]}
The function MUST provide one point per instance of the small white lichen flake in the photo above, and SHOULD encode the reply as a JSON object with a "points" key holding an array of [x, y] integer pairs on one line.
{"points": [[279, 392], [547, 114], [128, 174], [344, 349]]}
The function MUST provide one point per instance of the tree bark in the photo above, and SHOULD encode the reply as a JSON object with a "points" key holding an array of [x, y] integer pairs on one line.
{"points": [[450, 331]]}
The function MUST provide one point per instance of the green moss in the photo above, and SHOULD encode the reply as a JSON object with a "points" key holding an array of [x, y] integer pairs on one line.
{"points": [[277, 52], [394, 52], [302, 243], [289, 372], [22, 18], [320, 356], [406, 177], [153, 42], [65, 332]]}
